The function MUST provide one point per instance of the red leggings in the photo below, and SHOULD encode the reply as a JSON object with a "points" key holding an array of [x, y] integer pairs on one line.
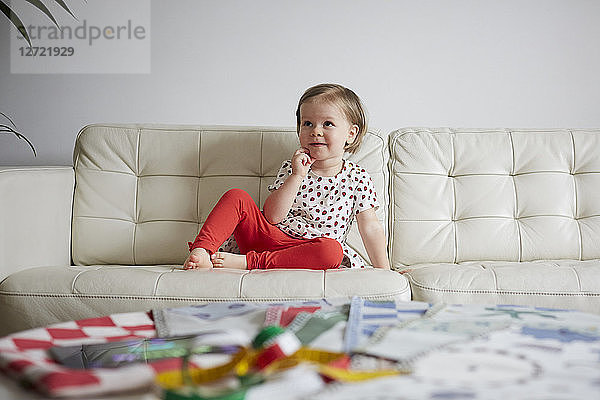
{"points": [[264, 244]]}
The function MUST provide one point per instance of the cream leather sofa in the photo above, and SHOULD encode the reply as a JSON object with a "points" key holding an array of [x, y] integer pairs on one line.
{"points": [[498, 216], [487, 216], [106, 235]]}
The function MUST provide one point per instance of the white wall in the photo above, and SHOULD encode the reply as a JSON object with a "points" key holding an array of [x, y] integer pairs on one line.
{"points": [[478, 63]]}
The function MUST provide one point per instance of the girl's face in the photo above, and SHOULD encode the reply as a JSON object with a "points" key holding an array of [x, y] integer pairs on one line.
{"points": [[325, 131]]}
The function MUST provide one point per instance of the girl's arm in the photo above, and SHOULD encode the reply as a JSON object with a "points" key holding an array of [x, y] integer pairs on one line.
{"points": [[373, 237], [279, 202]]}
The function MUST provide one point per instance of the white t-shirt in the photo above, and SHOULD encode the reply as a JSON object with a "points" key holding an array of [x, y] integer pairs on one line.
{"points": [[327, 205]]}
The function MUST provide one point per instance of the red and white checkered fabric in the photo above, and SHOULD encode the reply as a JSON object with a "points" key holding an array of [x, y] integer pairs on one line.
{"points": [[23, 356]]}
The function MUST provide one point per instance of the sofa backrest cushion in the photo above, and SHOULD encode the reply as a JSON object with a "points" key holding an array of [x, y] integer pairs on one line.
{"points": [[143, 191], [476, 194]]}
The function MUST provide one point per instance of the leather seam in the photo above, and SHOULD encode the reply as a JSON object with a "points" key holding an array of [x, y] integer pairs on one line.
{"points": [[575, 202], [241, 284], [516, 197], [199, 180], [453, 181], [176, 175], [260, 173], [495, 277], [273, 176], [454, 221], [77, 277], [497, 174], [392, 143], [158, 278], [141, 222], [576, 275], [174, 298], [512, 292], [500, 217], [137, 187], [106, 171]]}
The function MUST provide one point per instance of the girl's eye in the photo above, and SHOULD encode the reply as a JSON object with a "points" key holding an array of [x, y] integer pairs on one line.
{"points": [[328, 123], [306, 123]]}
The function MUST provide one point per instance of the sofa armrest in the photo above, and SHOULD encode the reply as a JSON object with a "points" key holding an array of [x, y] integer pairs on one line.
{"points": [[35, 217]]}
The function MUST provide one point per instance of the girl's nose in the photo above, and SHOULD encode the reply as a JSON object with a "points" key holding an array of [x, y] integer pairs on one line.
{"points": [[316, 132]]}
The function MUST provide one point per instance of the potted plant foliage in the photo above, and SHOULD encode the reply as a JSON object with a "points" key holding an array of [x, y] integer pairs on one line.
{"points": [[7, 125]]}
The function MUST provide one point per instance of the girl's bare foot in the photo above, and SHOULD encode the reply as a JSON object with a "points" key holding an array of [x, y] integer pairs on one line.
{"points": [[199, 258], [228, 260]]}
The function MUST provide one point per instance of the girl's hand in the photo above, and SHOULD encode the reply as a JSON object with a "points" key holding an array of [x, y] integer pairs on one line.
{"points": [[301, 162], [280, 201]]}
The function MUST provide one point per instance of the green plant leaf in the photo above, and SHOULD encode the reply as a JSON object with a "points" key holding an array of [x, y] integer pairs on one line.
{"points": [[7, 129], [42, 7], [64, 5], [8, 118], [15, 20]]}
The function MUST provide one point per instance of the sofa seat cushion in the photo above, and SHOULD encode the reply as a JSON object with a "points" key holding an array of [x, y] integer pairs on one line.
{"points": [[40, 296], [559, 284]]}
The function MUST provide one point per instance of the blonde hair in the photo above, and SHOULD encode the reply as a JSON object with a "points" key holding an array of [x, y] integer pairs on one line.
{"points": [[348, 103]]}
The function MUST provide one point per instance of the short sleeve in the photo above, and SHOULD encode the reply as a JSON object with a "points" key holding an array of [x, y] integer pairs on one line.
{"points": [[284, 171], [364, 192]]}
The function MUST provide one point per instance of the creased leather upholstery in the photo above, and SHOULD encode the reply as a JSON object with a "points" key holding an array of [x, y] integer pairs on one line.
{"points": [[460, 196], [143, 192]]}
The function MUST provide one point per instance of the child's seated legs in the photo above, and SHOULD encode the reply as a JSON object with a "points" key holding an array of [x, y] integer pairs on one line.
{"points": [[235, 209], [318, 253], [265, 245]]}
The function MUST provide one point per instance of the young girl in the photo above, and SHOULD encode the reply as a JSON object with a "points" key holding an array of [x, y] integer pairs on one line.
{"points": [[313, 200]]}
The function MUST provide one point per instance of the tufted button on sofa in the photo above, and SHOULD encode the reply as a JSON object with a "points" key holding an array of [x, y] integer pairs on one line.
{"points": [[472, 216], [107, 235], [498, 215]]}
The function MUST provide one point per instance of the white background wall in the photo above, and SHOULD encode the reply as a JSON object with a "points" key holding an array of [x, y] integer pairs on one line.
{"points": [[468, 63]]}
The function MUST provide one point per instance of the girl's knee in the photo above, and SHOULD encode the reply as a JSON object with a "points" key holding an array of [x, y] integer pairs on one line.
{"points": [[237, 194], [332, 252]]}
